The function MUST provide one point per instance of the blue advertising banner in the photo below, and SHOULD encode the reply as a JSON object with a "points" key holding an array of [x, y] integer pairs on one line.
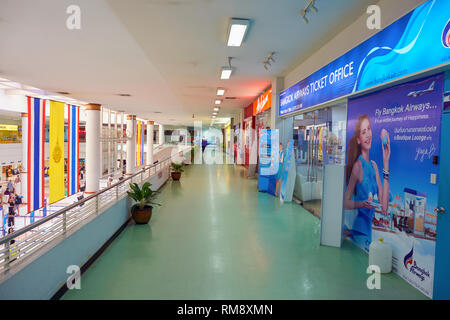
{"points": [[287, 173], [394, 52], [268, 159], [392, 139]]}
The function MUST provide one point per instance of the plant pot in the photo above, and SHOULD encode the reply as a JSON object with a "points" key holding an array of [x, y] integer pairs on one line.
{"points": [[142, 216], [176, 176]]}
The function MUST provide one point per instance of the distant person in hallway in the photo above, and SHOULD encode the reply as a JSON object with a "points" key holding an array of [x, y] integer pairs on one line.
{"points": [[364, 182], [11, 211], [10, 185]]}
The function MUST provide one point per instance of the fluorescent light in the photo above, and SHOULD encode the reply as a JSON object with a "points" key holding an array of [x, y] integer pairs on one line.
{"points": [[226, 73], [214, 113], [218, 101], [216, 109], [237, 31], [220, 92]]}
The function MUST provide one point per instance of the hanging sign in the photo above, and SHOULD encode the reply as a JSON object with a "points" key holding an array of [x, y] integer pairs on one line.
{"points": [[263, 103]]}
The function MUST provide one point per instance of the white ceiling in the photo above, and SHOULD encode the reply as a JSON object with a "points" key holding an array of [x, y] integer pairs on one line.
{"points": [[165, 53]]}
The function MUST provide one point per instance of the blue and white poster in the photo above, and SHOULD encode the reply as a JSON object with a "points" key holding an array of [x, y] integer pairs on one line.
{"points": [[268, 160], [416, 42], [288, 173], [392, 139]]}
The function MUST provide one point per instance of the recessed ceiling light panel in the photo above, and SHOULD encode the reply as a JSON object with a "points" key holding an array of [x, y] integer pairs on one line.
{"points": [[220, 91], [225, 73], [236, 32]]}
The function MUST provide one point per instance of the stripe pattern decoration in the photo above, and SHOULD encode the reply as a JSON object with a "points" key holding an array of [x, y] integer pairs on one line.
{"points": [[35, 153], [56, 152], [139, 143], [138, 151], [142, 142], [73, 150]]}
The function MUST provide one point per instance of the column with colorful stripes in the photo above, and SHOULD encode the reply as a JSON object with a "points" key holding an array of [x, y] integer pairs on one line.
{"points": [[139, 143], [73, 156], [35, 153]]}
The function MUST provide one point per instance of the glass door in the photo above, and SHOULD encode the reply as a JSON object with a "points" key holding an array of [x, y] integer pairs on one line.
{"points": [[319, 140]]}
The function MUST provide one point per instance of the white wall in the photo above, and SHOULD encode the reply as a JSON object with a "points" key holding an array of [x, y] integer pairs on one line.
{"points": [[352, 36], [10, 153], [15, 103]]}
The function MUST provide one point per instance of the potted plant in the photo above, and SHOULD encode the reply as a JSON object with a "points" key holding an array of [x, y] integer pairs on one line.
{"points": [[177, 169], [141, 211]]}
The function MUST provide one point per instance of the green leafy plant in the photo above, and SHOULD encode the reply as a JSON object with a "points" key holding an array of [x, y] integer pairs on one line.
{"points": [[143, 196], [177, 167]]}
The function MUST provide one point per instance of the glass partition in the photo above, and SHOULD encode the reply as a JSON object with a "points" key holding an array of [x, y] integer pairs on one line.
{"points": [[319, 139]]}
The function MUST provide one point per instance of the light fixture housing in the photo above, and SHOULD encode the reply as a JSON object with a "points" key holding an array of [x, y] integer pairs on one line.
{"points": [[237, 31], [217, 102], [216, 109], [225, 73], [220, 91]]}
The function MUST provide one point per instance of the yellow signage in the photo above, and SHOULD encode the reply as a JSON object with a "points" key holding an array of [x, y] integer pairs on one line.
{"points": [[8, 127], [56, 148]]}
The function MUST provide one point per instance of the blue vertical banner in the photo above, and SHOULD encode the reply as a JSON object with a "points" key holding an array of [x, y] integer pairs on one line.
{"points": [[268, 160], [288, 173], [393, 139]]}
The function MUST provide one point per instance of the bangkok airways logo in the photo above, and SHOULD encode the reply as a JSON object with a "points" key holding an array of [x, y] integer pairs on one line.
{"points": [[411, 265], [408, 260], [446, 35]]}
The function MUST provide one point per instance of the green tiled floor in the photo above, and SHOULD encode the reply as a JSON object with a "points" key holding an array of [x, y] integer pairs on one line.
{"points": [[216, 237]]}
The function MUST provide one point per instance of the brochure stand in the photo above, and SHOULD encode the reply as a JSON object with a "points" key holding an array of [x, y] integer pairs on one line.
{"points": [[332, 206]]}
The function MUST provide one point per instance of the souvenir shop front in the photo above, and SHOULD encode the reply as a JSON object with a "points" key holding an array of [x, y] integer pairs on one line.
{"points": [[372, 127], [256, 117]]}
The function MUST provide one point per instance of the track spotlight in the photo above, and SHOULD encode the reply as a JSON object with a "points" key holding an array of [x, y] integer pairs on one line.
{"points": [[305, 20], [309, 6]]}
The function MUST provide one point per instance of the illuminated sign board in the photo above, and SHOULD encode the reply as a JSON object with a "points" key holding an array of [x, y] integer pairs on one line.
{"points": [[263, 103], [417, 41], [8, 127]]}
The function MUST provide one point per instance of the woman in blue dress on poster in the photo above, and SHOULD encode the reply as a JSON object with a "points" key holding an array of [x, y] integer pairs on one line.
{"points": [[364, 182]]}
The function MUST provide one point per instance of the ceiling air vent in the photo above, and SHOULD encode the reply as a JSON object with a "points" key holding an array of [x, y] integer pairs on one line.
{"points": [[231, 98]]}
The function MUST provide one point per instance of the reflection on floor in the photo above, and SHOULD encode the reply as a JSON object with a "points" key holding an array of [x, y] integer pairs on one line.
{"points": [[216, 237], [314, 206]]}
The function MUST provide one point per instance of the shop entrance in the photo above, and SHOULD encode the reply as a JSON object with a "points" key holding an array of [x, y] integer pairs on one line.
{"points": [[319, 139]]}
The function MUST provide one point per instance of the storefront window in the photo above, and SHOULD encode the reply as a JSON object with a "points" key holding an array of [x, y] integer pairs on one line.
{"points": [[10, 133]]}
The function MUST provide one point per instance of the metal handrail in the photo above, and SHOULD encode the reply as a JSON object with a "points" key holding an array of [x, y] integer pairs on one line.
{"points": [[32, 226]]}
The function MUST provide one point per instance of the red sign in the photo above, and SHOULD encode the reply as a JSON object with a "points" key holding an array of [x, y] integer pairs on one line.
{"points": [[263, 103]]}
